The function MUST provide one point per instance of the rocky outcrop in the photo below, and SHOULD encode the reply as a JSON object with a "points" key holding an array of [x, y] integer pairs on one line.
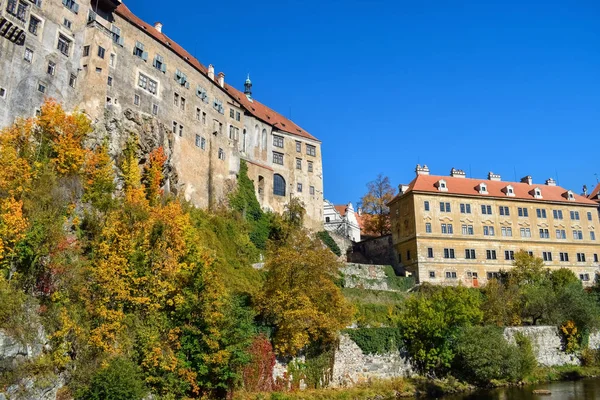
{"points": [[546, 343], [365, 276]]}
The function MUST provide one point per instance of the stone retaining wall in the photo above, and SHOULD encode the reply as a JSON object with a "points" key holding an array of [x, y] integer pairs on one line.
{"points": [[546, 342]]}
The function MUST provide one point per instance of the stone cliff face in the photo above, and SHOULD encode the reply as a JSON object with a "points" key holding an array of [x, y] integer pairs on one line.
{"points": [[546, 342]]}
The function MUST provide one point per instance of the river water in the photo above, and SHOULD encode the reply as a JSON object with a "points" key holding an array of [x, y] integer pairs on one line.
{"points": [[585, 389]]}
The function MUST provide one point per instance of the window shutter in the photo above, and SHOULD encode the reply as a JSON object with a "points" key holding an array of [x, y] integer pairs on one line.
{"points": [[66, 3], [187, 85], [145, 56], [121, 42], [75, 8], [163, 67]]}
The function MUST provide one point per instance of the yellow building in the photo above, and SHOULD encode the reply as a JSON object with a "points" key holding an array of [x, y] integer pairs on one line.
{"points": [[451, 229]]}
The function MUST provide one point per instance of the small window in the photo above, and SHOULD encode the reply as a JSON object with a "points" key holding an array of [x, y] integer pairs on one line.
{"points": [[154, 109], [278, 141], [426, 205], [72, 80], [136, 100], [589, 216], [238, 116], [86, 51], [112, 60], [198, 140], [2, 93], [109, 81], [34, 25], [451, 275], [432, 274], [138, 51], [175, 125], [181, 135], [71, 5], [231, 113], [312, 190], [98, 70], [298, 147], [310, 166], [41, 88], [523, 212], [277, 158], [428, 227], [465, 208], [592, 235], [64, 44], [430, 252], [182, 103], [28, 55], [101, 52], [18, 8], [67, 23], [311, 150], [470, 254], [298, 163], [221, 154], [51, 68], [299, 187]]}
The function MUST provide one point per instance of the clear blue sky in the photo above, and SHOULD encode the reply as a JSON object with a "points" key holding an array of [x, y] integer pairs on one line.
{"points": [[504, 86]]}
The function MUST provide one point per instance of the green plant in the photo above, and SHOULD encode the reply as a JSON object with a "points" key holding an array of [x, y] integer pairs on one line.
{"points": [[399, 283], [376, 340], [329, 242], [120, 380]]}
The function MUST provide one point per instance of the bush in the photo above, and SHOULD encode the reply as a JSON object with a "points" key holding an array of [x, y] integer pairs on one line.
{"points": [[400, 283], [483, 355], [120, 380], [376, 340], [329, 242]]}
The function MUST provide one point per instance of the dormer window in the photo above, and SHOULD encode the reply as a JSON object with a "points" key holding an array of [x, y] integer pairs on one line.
{"points": [[509, 190], [570, 196], [537, 193], [482, 188], [441, 185]]}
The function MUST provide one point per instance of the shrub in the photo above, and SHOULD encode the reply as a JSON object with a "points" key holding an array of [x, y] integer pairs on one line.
{"points": [[483, 355], [329, 242], [376, 340], [400, 283], [120, 380]]}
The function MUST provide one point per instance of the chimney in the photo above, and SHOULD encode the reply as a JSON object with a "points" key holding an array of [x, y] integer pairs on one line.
{"points": [[457, 173], [158, 26], [221, 79], [527, 179], [211, 72], [494, 177], [424, 170], [550, 182]]}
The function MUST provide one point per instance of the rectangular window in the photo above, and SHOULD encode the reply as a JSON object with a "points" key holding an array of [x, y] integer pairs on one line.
{"points": [[175, 124], [580, 257], [525, 232], [136, 100], [447, 228], [86, 51], [277, 158], [71, 5], [589, 216], [204, 118], [298, 163], [28, 55], [596, 257], [467, 229], [490, 254], [432, 274], [51, 68], [112, 60], [138, 51], [561, 234], [67, 23], [506, 231], [41, 88], [584, 277], [72, 80], [444, 207], [221, 154], [575, 215], [109, 81], [278, 141], [523, 212], [238, 116], [465, 208], [147, 84], [298, 147], [564, 257], [450, 274], [34, 25], [557, 214], [547, 255], [430, 252], [2, 93], [198, 114], [154, 109], [312, 190], [488, 230], [408, 254], [101, 52], [428, 227], [17, 8], [448, 253], [493, 275], [470, 254], [176, 99], [544, 233], [592, 235], [487, 210], [310, 166], [509, 255], [198, 141], [64, 45], [541, 212], [231, 113], [426, 205], [504, 211], [311, 150], [180, 130], [577, 235]]}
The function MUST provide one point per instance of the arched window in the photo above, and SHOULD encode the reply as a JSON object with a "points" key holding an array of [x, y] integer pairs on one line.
{"points": [[244, 142], [256, 134], [264, 139], [278, 185]]}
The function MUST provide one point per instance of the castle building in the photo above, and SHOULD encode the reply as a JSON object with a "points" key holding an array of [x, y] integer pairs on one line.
{"points": [[452, 229], [99, 57], [343, 220]]}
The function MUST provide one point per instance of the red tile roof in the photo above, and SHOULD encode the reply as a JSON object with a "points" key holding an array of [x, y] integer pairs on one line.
{"points": [[342, 211], [595, 192], [468, 187], [255, 108]]}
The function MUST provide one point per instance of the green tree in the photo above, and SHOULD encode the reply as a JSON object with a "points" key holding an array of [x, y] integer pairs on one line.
{"points": [[299, 296], [374, 204], [430, 322], [120, 380]]}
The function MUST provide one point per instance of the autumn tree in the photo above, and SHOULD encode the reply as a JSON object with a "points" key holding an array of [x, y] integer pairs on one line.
{"points": [[299, 296], [374, 205]]}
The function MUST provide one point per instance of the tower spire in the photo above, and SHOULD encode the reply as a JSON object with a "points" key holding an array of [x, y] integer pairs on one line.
{"points": [[248, 87]]}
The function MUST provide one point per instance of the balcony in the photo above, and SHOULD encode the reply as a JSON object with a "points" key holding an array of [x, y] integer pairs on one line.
{"points": [[12, 32]]}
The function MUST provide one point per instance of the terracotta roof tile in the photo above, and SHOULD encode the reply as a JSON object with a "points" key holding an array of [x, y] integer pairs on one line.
{"points": [[595, 192], [495, 189], [255, 108]]}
